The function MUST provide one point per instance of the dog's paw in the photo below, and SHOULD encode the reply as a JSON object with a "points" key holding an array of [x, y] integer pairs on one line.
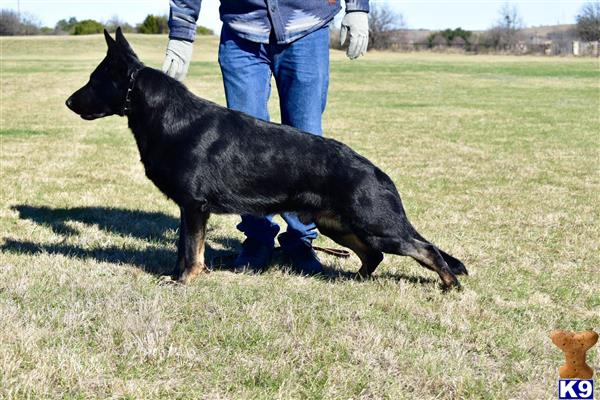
{"points": [[459, 269], [167, 280], [362, 276], [189, 274], [449, 286]]}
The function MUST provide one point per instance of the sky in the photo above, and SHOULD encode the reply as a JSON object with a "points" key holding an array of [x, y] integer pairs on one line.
{"points": [[440, 14]]}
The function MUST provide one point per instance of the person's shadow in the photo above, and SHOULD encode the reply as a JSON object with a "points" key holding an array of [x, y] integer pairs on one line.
{"points": [[156, 229]]}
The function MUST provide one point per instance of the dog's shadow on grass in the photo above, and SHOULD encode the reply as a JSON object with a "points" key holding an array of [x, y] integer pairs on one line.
{"points": [[155, 228], [332, 274]]}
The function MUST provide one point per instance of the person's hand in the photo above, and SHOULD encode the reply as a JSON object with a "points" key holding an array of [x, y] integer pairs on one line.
{"points": [[177, 59], [357, 24]]}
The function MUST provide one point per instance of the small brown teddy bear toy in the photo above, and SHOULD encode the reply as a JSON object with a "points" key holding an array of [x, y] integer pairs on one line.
{"points": [[574, 345]]}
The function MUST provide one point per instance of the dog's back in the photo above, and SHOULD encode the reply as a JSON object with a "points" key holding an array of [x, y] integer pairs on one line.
{"points": [[240, 164]]}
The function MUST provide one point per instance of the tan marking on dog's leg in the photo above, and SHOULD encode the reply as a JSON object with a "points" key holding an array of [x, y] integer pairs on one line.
{"points": [[369, 257], [332, 226], [330, 222], [195, 240], [428, 255]]}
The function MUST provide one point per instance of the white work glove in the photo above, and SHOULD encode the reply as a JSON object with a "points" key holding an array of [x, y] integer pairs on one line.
{"points": [[177, 59], [357, 23]]}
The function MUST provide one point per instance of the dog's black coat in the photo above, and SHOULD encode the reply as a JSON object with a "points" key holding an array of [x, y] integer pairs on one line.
{"points": [[210, 159]]}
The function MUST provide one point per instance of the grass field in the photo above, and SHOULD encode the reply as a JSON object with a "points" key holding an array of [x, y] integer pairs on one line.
{"points": [[497, 161]]}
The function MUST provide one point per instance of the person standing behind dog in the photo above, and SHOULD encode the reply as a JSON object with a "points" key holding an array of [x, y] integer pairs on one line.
{"points": [[288, 39]]}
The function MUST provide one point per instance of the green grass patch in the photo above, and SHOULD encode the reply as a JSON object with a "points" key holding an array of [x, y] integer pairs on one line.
{"points": [[21, 132]]}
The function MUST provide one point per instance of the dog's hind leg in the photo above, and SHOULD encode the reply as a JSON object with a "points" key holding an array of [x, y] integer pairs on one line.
{"points": [[423, 252], [455, 265], [191, 243], [428, 254], [369, 257], [333, 228]]}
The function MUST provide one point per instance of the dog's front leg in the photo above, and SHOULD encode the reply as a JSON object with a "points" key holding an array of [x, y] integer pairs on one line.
{"points": [[180, 264], [192, 236]]}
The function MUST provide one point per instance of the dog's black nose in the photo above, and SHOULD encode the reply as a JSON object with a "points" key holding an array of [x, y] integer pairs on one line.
{"points": [[69, 102]]}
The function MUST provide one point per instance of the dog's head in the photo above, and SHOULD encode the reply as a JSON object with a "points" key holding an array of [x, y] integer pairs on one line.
{"points": [[106, 90]]}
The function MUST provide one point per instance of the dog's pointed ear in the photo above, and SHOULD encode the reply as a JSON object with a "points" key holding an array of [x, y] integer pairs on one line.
{"points": [[124, 46], [121, 39], [110, 42]]}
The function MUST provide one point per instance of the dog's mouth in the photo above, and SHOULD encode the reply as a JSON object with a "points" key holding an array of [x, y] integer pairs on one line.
{"points": [[90, 117]]}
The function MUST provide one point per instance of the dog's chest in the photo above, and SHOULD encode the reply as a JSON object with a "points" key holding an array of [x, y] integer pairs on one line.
{"points": [[163, 178]]}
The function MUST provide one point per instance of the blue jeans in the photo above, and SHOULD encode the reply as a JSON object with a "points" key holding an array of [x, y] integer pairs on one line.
{"points": [[301, 71]]}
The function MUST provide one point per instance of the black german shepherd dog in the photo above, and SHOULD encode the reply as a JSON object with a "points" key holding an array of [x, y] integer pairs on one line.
{"points": [[209, 159]]}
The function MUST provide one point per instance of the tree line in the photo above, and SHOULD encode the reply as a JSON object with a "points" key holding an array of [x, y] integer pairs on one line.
{"points": [[12, 24], [387, 30]]}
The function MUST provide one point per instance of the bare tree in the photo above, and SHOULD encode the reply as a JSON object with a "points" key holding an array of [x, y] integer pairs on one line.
{"points": [[438, 41], [588, 22], [383, 20], [11, 23], [510, 20], [504, 34], [114, 22]]}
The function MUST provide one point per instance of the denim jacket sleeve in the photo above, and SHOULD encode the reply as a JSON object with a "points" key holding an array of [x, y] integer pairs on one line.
{"points": [[182, 19], [357, 5]]}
